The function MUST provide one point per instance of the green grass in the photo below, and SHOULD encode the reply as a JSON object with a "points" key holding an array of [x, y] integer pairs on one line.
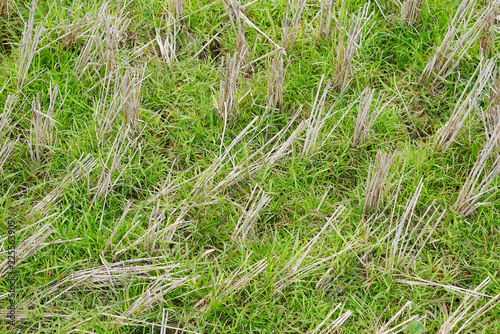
{"points": [[182, 138]]}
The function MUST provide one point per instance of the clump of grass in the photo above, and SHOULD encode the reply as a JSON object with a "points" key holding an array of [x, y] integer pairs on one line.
{"points": [[291, 25], [459, 38], [275, 82], [465, 104], [229, 81], [479, 180], [365, 118], [410, 11], [377, 179], [349, 37]]}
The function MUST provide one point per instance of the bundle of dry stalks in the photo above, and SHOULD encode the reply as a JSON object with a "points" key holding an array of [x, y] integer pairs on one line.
{"points": [[155, 233], [487, 39], [317, 119], [348, 35], [410, 11], [6, 145], [400, 254], [258, 160], [105, 276], [459, 38], [275, 82], [400, 327], [82, 169], [469, 302], [126, 99], [73, 30], [34, 243], [335, 324], [366, 119], [229, 79], [234, 11], [291, 269], [325, 18], [176, 8], [168, 46], [492, 117], [5, 8], [466, 103], [238, 280], [377, 179], [42, 126], [154, 294], [106, 27], [478, 182], [294, 9], [29, 45], [254, 206]]}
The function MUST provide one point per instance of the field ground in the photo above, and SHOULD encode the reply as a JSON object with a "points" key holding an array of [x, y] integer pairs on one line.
{"points": [[261, 167]]}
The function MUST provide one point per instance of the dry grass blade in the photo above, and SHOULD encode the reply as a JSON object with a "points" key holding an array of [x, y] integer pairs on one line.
{"points": [[365, 118], [291, 25], [230, 77], [349, 37], [254, 206], [460, 313], [410, 11], [400, 327], [275, 82], [82, 169], [478, 182], [459, 38], [377, 178], [29, 43]]}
